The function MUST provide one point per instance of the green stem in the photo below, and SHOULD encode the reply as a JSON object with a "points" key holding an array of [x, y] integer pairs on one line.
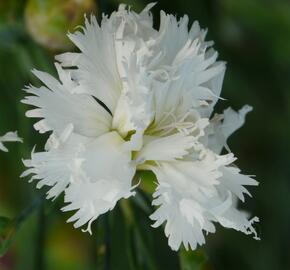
{"points": [[107, 243], [37, 202], [40, 240], [95, 243]]}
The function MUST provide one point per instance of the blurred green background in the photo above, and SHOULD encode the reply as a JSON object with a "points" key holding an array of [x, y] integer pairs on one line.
{"points": [[253, 37]]}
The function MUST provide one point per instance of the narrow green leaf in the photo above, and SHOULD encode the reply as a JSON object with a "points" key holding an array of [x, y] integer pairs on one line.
{"points": [[9, 227], [7, 232], [141, 201]]}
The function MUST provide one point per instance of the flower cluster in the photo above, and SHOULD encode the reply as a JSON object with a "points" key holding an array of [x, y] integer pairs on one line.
{"points": [[136, 98]]}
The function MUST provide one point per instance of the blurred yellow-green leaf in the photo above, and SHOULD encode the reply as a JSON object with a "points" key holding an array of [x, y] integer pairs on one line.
{"points": [[48, 21]]}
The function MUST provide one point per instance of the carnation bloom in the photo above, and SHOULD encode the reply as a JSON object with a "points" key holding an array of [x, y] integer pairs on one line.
{"points": [[136, 98], [9, 137]]}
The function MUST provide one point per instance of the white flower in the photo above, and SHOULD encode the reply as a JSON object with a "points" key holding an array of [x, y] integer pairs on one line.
{"points": [[9, 137], [136, 98]]}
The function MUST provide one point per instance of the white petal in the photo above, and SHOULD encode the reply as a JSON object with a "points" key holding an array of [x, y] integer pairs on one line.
{"points": [[221, 127], [136, 141], [134, 108], [234, 120], [192, 195], [172, 36], [59, 106], [182, 194], [234, 181], [166, 148], [108, 178], [182, 223], [103, 49], [230, 217], [9, 137], [57, 166], [97, 64], [215, 85], [186, 74]]}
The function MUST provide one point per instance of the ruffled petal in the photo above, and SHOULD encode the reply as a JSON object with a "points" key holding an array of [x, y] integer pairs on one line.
{"points": [[183, 217], [9, 137], [192, 195], [186, 72], [107, 177], [60, 164], [99, 65], [181, 197], [166, 148], [234, 181], [223, 126], [226, 213], [134, 108], [59, 106]]}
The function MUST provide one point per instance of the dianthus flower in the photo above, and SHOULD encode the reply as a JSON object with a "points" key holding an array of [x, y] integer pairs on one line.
{"points": [[136, 98]]}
